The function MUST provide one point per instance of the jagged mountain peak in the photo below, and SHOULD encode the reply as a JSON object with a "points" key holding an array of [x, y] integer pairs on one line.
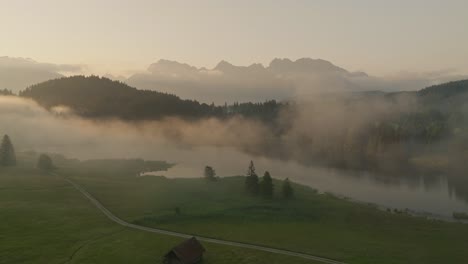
{"points": [[168, 66], [224, 66], [304, 65]]}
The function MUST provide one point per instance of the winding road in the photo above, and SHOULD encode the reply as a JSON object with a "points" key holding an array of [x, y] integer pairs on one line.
{"points": [[204, 239]]}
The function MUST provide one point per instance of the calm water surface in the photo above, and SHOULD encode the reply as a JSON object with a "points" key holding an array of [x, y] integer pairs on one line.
{"points": [[425, 195]]}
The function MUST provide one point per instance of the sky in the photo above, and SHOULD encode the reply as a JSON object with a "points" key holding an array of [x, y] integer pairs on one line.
{"points": [[120, 37]]}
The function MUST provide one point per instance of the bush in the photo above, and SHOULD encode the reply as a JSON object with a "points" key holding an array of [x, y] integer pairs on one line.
{"points": [[460, 216], [45, 163]]}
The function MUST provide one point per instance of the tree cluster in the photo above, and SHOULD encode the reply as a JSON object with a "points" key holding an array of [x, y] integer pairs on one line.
{"points": [[6, 92], [265, 187]]}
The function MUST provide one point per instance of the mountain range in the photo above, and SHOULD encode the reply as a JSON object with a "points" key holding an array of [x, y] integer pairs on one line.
{"points": [[280, 79]]}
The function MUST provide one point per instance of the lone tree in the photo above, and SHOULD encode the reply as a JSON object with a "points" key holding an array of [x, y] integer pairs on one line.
{"points": [[288, 191], [45, 163], [7, 152], [266, 186], [210, 173], [251, 181]]}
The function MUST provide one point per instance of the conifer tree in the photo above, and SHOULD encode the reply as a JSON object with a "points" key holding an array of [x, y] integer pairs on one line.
{"points": [[266, 186], [210, 173], [288, 191], [251, 181], [7, 152]]}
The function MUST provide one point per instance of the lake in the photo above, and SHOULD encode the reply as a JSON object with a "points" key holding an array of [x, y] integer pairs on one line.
{"points": [[432, 195]]}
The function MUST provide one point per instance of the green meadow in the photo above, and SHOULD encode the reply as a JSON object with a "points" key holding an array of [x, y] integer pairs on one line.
{"points": [[45, 220], [318, 224]]}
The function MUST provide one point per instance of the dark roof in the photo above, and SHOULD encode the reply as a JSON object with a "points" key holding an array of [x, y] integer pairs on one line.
{"points": [[189, 251]]}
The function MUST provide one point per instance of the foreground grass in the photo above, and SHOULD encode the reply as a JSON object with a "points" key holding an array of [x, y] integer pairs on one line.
{"points": [[317, 224], [44, 220]]}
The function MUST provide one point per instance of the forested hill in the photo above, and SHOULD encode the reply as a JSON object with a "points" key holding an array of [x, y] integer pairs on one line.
{"points": [[97, 97], [449, 98], [385, 141], [446, 89]]}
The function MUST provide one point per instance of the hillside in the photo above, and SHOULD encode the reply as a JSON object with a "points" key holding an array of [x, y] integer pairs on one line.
{"points": [[447, 97], [445, 89], [97, 97]]}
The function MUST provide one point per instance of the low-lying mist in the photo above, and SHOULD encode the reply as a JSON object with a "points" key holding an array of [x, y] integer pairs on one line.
{"points": [[330, 131], [344, 132], [34, 128]]}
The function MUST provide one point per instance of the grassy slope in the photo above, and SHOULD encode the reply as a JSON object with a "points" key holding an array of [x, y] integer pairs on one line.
{"points": [[312, 223], [44, 220]]}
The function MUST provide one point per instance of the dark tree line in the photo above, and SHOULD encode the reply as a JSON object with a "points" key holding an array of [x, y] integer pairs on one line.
{"points": [[267, 111], [6, 92]]}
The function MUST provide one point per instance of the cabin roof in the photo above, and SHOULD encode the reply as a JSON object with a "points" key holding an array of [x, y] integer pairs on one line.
{"points": [[188, 251]]}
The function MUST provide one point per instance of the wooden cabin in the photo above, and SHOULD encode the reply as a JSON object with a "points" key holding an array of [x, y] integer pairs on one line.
{"points": [[188, 252]]}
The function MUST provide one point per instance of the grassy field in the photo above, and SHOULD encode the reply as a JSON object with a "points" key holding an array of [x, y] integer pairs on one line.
{"points": [[44, 220], [312, 223]]}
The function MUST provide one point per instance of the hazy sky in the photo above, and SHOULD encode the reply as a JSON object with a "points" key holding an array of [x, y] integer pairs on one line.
{"points": [[116, 36]]}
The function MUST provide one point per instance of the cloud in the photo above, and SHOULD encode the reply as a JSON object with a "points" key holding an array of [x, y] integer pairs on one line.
{"points": [[29, 64], [19, 73]]}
